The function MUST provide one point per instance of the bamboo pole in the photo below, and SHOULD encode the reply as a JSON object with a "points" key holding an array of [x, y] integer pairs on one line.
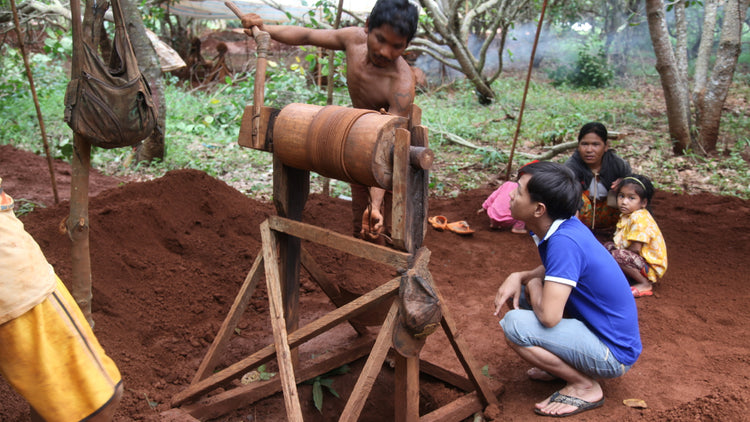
{"points": [[36, 100], [525, 91]]}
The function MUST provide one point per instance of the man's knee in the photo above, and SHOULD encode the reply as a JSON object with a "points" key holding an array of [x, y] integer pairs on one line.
{"points": [[515, 325]]}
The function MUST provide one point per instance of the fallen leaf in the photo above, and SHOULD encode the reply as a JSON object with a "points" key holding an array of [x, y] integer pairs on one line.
{"points": [[637, 403]]}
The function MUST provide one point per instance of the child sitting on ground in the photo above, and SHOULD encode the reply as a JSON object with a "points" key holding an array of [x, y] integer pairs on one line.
{"points": [[497, 206], [638, 244]]}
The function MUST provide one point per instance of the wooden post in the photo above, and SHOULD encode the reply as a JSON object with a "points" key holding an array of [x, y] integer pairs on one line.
{"points": [[290, 189]]}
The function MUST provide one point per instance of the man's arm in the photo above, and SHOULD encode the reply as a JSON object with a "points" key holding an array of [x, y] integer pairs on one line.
{"points": [[332, 39], [511, 287], [402, 91], [548, 300]]}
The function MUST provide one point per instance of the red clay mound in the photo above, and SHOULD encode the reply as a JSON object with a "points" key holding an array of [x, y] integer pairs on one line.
{"points": [[168, 257]]}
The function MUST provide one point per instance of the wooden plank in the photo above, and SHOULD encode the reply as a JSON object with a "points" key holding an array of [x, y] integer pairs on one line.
{"points": [[309, 331], [276, 309], [245, 139], [418, 193], [341, 242], [230, 400], [399, 229], [406, 400], [329, 287], [415, 116], [218, 346], [176, 415], [457, 410], [371, 369], [467, 361], [445, 375]]}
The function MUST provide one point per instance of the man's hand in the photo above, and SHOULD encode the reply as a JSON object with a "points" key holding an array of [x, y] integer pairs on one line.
{"points": [[250, 20], [372, 224], [511, 288]]}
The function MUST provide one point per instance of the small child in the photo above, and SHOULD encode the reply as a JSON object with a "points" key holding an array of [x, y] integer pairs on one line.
{"points": [[497, 206], [638, 245]]}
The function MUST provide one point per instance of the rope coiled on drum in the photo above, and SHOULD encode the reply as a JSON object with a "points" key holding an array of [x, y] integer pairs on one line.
{"points": [[326, 139]]}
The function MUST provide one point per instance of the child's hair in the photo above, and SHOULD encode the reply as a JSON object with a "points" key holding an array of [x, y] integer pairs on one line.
{"points": [[596, 128], [642, 185], [556, 186], [401, 15]]}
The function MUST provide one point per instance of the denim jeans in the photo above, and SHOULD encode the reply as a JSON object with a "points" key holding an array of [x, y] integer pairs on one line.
{"points": [[570, 340]]}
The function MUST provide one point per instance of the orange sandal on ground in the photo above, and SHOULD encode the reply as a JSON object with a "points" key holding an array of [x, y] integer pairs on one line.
{"points": [[460, 227], [438, 222], [641, 293]]}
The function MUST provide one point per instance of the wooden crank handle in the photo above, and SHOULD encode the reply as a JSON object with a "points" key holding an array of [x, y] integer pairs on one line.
{"points": [[421, 157], [233, 7]]}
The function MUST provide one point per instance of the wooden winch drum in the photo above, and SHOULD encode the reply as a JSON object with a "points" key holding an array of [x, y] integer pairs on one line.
{"points": [[349, 144]]}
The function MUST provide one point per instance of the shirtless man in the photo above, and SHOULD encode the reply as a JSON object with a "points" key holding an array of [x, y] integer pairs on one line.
{"points": [[378, 78]]}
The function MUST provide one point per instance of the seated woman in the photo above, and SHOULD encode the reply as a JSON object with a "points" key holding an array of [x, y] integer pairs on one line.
{"points": [[598, 169]]}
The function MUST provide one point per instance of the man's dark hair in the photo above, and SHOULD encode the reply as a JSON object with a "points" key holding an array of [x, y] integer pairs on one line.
{"points": [[401, 15], [554, 185], [596, 128]]}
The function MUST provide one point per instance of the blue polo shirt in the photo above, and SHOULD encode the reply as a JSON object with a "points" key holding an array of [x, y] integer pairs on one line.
{"points": [[601, 296]]}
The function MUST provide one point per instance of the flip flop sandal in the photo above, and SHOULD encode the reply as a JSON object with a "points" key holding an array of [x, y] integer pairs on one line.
{"points": [[438, 222], [460, 227], [581, 405], [641, 293]]}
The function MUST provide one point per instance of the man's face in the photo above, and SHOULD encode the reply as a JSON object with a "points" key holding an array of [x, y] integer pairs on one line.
{"points": [[384, 45], [522, 207]]}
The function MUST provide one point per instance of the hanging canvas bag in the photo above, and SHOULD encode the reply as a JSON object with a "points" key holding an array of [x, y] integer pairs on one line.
{"points": [[110, 105]]}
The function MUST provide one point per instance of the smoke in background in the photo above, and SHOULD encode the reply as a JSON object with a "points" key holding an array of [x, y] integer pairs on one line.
{"points": [[557, 47]]}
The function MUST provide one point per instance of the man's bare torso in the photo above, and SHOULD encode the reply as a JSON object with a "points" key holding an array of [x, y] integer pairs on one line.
{"points": [[372, 87]]}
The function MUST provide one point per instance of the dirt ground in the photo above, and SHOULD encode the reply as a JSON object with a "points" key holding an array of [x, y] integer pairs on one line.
{"points": [[168, 257]]}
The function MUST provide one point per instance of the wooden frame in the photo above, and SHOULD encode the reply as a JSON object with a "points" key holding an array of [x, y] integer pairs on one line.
{"points": [[281, 260]]}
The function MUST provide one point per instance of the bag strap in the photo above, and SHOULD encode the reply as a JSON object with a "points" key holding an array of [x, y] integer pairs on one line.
{"points": [[117, 14]]}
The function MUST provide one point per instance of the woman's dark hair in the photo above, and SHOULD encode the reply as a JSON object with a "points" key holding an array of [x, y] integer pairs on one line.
{"points": [[642, 185], [596, 128], [401, 15], [554, 185]]}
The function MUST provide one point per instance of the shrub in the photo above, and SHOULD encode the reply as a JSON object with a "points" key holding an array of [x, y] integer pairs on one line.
{"points": [[589, 71]]}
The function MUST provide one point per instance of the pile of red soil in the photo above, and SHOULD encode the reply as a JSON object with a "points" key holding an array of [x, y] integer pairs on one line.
{"points": [[168, 257]]}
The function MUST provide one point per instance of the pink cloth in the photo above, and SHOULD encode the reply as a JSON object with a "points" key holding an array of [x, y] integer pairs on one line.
{"points": [[498, 207]]}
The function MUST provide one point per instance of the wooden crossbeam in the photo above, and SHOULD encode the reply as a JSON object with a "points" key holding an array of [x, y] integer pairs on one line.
{"points": [[231, 399], [341, 242], [218, 346], [306, 333], [372, 368]]}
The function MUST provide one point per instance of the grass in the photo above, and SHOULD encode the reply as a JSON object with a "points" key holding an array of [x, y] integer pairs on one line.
{"points": [[203, 126]]}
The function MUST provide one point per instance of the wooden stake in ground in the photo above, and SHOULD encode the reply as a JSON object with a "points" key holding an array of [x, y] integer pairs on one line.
{"points": [[36, 100]]}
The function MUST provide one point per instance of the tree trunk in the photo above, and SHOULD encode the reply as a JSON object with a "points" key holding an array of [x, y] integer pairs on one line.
{"points": [[77, 223], [718, 85], [705, 49], [148, 62], [678, 114]]}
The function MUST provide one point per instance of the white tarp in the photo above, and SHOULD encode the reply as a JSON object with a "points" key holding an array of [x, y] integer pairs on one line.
{"points": [[216, 9]]}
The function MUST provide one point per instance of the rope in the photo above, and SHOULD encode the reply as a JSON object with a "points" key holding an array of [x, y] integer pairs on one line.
{"points": [[326, 139]]}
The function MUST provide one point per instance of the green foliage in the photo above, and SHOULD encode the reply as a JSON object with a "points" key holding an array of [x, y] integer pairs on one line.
{"points": [[23, 206], [202, 128], [590, 70], [58, 44], [325, 381]]}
